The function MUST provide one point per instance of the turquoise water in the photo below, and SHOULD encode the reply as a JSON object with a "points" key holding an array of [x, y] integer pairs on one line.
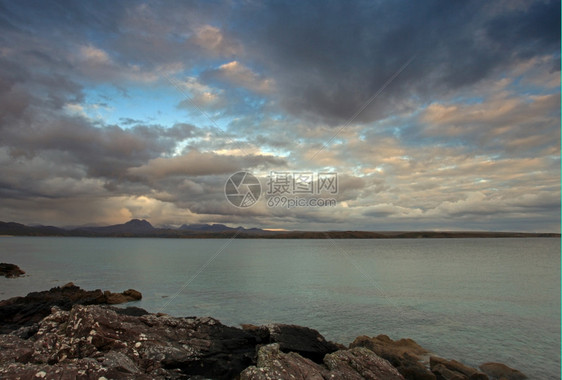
{"points": [[474, 300]]}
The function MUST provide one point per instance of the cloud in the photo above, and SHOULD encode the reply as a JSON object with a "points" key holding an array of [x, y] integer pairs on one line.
{"points": [[328, 59], [237, 74], [213, 40], [466, 136], [201, 163]]}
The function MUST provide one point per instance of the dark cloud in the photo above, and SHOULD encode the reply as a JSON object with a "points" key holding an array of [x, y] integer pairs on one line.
{"points": [[329, 58], [465, 132]]}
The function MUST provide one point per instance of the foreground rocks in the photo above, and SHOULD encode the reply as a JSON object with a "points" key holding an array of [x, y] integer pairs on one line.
{"points": [[353, 364], [10, 270], [101, 341], [406, 355], [25, 311]]}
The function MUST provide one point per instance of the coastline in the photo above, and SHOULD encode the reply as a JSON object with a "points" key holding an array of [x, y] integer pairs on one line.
{"points": [[81, 333]]}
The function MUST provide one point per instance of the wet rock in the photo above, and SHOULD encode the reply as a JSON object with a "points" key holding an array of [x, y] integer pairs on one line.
{"points": [[305, 341], [25, 311], [501, 372], [353, 364], [405, 355], [454, 370], [10, 270]]}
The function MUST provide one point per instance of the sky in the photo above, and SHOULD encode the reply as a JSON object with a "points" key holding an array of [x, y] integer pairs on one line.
{"points": [[432, 115]]}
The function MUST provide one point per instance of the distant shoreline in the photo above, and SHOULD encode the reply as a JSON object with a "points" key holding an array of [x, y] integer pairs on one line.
{"points": [[343, 235], [142, 228]]}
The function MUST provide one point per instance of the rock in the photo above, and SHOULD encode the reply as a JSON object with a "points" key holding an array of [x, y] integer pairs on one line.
{"points": [[78, 338], [25, 311], [404, 354], [274, 364], [353, 364], [303, 340], [360, 363], [443, 373], [456, 369], [10, 270], [103, 342], [501, 372], [132, 295]]}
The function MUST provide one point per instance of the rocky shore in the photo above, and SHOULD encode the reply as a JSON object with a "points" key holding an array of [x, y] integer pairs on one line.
{"points": [[70, 333]]}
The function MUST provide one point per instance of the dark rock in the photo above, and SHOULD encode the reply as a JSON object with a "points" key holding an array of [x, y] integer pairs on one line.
{"points": [[456, 368], [353, 364], [132, 311], [10, 270], [260, 332], [404, 354], [25, 311], [102, 342], [305, 341], [443, 373], [501, 372]]}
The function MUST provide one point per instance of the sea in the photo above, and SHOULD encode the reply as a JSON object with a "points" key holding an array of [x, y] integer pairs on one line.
{"points": [[473, 300]]}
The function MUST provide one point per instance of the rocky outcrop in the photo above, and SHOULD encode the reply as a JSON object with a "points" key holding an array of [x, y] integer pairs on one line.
{"points": [[500, 371], [353, 364], [25, 311], [453, 370], [405, 355], [10, 270], [80, 339], [98, 341]]}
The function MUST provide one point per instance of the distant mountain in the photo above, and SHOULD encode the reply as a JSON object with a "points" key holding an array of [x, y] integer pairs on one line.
{"points": [[142, 228], [134, 226], [206, 227], [12, 228]]}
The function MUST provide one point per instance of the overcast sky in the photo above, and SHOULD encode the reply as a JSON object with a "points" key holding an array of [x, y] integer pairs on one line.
{"points": [[436, 115]]}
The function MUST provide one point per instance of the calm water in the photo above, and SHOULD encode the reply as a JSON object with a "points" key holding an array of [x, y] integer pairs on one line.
{"points": [[473, 300]]}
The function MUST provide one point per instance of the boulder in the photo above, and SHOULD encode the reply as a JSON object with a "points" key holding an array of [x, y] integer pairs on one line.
{"points": [[454, 368], [501, 372], [305, 341], [100, 341], [360, 363], [353, 364], [404, 354], [272, 363], [10, 270], [25, 311]]}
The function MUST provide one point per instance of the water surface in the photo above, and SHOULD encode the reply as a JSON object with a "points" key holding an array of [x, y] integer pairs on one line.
{"points": [[473, 300]]}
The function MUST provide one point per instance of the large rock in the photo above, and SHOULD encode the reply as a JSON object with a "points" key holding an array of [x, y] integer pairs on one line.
{"points": [[10, 270], [353, 364], [100, 341], [26, 311], [360, 363], [404, 354], [305, 341], [501, 372], [274, 364], [453, 370]]}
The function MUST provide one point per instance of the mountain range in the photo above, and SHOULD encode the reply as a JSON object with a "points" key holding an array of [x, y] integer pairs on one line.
{"points": [[143, 228], [132, 228]]}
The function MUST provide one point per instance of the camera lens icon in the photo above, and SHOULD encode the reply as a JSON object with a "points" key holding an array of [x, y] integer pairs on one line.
{"points": [[242, 189]]}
